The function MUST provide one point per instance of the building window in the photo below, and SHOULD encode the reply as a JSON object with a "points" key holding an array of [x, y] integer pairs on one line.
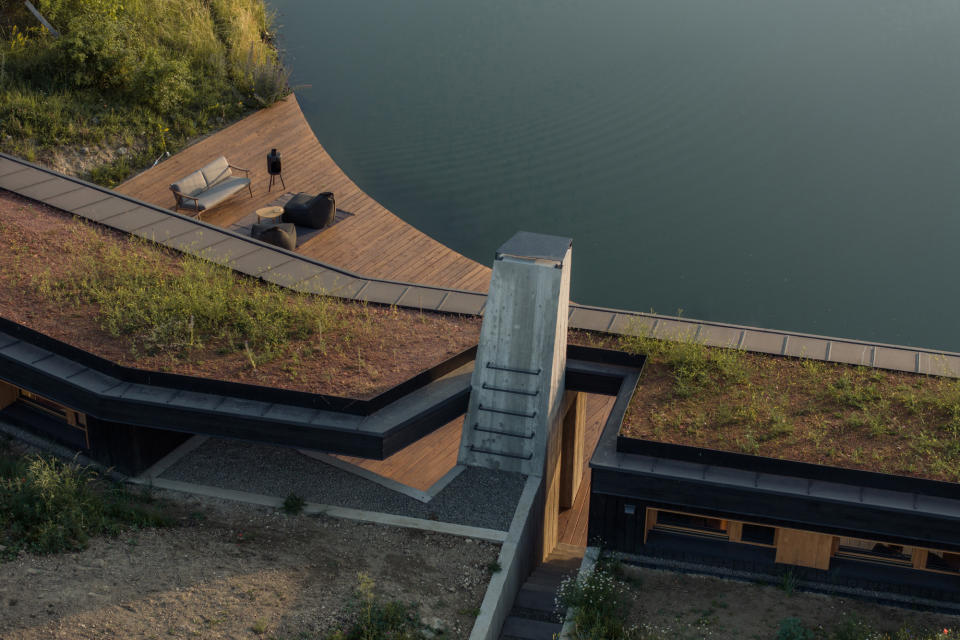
{"points": [[943, 561], [873, 551], [758, 534], [47, 406], [686, 524]]}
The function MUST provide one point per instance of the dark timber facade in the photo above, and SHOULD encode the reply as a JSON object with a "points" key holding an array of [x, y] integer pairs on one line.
{"points": [[841, 529]]}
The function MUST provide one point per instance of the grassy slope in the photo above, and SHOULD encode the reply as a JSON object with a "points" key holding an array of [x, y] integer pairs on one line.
{"points": [[129, 81]]}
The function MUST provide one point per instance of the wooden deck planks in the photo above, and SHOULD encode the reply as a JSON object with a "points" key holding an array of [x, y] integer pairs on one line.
{"points": [[426, 461], [573, 521], [421, 464], [373, 242]]}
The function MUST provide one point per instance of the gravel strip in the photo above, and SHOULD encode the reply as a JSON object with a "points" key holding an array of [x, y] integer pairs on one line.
{"points": [[477, 497]]}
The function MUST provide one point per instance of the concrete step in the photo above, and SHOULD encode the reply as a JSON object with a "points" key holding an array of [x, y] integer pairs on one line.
{"points": [[544, 586], [523, 629], [546, 579], [544, 601], [544, 572]]}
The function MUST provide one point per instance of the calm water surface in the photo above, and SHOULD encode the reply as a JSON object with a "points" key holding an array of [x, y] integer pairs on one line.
{"points": [[792, 164]]}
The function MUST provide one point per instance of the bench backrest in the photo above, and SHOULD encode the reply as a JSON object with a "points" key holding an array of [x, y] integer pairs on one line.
{"points": [[199, 181], [216, 172], [192, 185]]}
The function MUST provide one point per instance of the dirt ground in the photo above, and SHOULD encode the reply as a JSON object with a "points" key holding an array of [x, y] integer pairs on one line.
{"points": [[236, 571], [690, 607]]}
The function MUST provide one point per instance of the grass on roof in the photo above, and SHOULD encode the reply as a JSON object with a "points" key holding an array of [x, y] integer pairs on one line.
{"points": [[142, 305], [178, 306], [807, 410]]}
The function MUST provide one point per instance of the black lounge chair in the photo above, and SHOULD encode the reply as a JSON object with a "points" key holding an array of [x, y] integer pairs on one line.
{"points": [[305, 210], [283, 234]]}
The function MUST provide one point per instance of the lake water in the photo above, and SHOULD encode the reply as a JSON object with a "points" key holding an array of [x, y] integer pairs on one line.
{"points": [[792, 164]]}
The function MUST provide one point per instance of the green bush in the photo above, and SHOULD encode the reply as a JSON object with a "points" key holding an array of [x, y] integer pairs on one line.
{"points": [[794, 629], [600, 605], [48, 506], [147, 75], [372, 619], [293, 505]]}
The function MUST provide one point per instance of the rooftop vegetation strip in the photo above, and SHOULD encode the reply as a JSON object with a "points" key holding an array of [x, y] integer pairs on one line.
{"points": [[194, 407], [805, 410], [12, 331], [861, 403], [150, 307]]}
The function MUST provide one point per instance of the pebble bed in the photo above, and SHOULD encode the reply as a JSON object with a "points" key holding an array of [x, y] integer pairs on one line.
{"points": [[477, 497]]}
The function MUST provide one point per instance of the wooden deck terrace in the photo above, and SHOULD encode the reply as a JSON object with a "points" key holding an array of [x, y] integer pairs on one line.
{"points": [[373, 242], [426, 461]]}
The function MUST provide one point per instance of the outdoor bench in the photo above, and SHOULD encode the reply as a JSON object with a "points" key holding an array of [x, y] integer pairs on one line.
{"points": [[209, 186]]}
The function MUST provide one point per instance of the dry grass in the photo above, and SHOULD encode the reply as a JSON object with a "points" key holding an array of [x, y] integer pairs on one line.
{"points": [[144, 306], [806, 410]]}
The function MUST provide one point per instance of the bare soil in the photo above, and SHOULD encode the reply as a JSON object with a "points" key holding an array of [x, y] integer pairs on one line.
{"points": [[682, 606], [236, 571], [367, 350]]}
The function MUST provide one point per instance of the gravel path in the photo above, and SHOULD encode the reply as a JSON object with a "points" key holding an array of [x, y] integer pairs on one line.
{"points": [[477, 497]]}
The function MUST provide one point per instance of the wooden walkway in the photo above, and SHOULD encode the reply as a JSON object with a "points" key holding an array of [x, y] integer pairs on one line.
{"points": [[426, 461], [373, 242]]}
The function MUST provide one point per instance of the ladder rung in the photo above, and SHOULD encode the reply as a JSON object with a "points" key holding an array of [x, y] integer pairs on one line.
{"points": [[498, 367], [477, 449], [509, 412], [528, 436], [523, 392]]}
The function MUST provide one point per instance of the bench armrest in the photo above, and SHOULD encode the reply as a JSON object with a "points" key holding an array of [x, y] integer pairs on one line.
{"points": [[247, 171], [179, 195]]}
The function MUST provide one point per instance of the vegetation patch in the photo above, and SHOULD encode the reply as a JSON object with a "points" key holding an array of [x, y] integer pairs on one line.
{"points": [[624, 602], [50, 506], [142, 305], [806, 410], [371, 618], [600, 601], [174, 306], [126, 82]]}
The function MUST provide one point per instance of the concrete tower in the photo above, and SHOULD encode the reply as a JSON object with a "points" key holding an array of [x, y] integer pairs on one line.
{"points": [[518, 381]]}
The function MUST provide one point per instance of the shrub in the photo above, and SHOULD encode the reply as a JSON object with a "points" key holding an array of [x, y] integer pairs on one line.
{"points": [[794, 629], [372, 619], [293, 504], [48, 506], [600, 605], [124, 70]]}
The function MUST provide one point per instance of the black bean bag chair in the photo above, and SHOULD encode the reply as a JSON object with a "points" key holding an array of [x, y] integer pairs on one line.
{"points": [[310, 211], [283, 234]]}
